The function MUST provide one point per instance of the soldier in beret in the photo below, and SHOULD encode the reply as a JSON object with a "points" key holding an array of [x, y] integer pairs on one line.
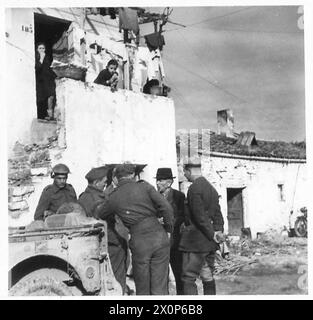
{"points": [[92, 200], [138, 205], [164, 181]]}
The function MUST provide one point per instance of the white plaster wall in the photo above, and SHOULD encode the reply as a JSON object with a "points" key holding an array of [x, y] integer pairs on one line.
{"points": [[20, 63], [103, 127], [262, 207], [98, 127], [20, 75]]}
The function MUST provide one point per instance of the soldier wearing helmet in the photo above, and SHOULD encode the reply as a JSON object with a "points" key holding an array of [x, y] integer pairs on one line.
{"points": [[56, 194]]}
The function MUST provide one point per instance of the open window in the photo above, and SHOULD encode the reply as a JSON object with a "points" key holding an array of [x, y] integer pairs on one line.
{"points": [[281, 192]]}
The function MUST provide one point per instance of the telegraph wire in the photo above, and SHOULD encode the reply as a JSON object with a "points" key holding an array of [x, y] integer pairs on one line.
{"points": [[27, 54], [183, 101], [254, 31], [219, 17], [186, 41], [206, 80], [211, 19]]}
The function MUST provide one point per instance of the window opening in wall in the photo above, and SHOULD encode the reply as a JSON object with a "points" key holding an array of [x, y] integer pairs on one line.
{"points": [[48, 30], [281, 192]]}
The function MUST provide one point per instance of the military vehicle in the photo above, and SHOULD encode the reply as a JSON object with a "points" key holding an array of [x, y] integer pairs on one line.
{"points": [[65, 255]]}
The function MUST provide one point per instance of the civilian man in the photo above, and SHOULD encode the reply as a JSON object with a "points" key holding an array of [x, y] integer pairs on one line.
{"points": [[164, 181], [203, 232]]}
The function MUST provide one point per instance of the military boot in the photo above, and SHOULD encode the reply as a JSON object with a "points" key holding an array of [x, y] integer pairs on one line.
{"points": [[209, 287]]}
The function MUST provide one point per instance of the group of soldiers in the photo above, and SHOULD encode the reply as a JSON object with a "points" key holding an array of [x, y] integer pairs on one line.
{"points": [[159, 226]]}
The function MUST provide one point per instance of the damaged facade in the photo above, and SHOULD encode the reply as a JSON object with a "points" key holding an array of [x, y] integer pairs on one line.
{"points": [[259, 182], [94, 125]]}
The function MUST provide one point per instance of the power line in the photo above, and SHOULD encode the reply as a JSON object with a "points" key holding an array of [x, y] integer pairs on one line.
{"points": [[183, 101], [206, 80], [255, 31], [194, 25], [219, 17], [212, 18], [186, 41], [27, 54]]}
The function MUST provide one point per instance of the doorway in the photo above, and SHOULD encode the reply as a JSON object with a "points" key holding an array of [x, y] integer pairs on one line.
{"points": [[48, 30], [235, 211]]}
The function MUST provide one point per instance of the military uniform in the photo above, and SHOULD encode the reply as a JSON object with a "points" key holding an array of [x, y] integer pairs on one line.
{"points": [[203, 219], [52, 198], [138, 205], [92, 200]]}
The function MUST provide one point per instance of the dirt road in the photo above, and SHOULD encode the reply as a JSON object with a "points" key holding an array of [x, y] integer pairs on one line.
{"points": [[268, 266], [276, 266]]}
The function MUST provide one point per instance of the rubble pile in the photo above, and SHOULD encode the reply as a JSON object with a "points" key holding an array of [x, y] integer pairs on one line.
{"points": [[245, 252], [232, 265]]}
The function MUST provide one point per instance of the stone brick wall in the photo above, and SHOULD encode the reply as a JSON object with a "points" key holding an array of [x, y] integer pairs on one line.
{"points": [[28, 166], [262, 207]]}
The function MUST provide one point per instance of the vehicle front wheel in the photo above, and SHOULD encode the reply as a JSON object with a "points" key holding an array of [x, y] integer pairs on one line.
{"points": [[301, 228], [43, 282]]}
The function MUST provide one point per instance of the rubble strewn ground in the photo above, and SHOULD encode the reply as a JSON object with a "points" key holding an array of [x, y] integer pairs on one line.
{"points": [[270, 265]]}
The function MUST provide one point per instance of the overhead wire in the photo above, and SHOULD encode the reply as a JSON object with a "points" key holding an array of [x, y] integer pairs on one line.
{"points": [[194, 53], [180, 96], [241, 100], [27, 54], [211, 19], [255, 31], [195, 25]]}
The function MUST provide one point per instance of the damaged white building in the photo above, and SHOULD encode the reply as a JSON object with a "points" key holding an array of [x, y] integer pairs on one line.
{"points": [[259, 182], [94, 126]]}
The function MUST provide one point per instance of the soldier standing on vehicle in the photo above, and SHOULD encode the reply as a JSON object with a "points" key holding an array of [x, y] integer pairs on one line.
{"points": [[164, 181], [92, 200], [138, 205], [55, 195], [202, 234]]}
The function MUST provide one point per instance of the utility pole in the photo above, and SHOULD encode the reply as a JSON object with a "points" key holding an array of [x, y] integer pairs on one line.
{"points": [[82, 21]]}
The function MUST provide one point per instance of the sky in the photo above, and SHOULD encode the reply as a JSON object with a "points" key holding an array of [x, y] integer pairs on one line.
{"points": [[248, 59]]}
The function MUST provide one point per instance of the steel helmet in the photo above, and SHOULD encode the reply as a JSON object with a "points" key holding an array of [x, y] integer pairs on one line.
{"points": [[60, 168]]}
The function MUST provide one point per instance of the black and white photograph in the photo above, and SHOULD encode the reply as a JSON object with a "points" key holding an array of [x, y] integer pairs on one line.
{"points": [[155, 150]]}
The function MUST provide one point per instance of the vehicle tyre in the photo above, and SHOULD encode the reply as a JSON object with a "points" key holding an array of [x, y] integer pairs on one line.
{"points": [[43, 282], [301, 228]]}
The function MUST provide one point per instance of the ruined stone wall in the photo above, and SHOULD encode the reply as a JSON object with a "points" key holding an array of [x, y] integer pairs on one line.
{"points": [[28, 172]]}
